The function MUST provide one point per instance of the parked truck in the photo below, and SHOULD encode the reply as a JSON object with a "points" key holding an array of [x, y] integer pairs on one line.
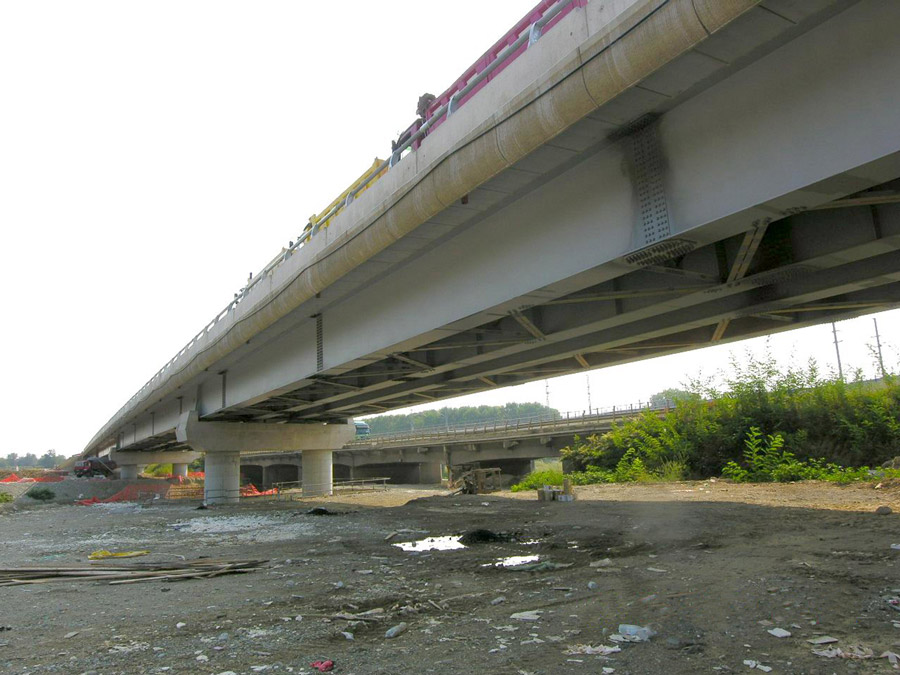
{"points": [[94, 466]]}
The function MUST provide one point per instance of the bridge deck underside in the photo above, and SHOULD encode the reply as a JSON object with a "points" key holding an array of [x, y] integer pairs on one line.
{"points": [[779, 158], [809, 268]]}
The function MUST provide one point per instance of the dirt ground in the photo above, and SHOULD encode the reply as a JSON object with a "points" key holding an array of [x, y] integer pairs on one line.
{"points": [[709, 566]]}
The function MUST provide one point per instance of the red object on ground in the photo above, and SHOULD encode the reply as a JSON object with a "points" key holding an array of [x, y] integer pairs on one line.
{"points": [[130, 493], [323, 666], [250, 490], [196, 474], [13, 478]]}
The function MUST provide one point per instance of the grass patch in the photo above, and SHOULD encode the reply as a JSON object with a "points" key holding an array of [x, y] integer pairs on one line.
{"points": [[5, 497], [537, 479]]}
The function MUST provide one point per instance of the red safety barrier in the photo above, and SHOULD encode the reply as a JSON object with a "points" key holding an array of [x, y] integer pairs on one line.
{"points": [[11, 478], [524, 24]]}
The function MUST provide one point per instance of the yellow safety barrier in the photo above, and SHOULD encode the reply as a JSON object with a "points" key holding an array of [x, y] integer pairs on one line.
{"points": [[315, 220]]}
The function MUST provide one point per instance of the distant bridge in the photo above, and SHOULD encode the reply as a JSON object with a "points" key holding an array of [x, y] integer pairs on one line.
{"points": [[422, 455]]}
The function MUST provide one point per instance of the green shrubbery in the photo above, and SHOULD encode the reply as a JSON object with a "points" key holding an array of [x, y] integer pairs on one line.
{"points": [[5, 497], [629, 469], [767, 425], [42, 494], [766, 460]]}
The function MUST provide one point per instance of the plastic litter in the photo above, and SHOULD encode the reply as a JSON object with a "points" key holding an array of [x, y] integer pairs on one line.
{"points": [[756, 664], [643, 632], [323, 666], [395, 631], [601, 650], [779, 632], [543, 566], [852, 652], [530, 615], [822, 640], [606, 562]]}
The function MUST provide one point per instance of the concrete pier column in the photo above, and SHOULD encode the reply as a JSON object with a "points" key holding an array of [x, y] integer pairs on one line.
{"points": [[180, 470], [430, 473], [317, 473], [130, 471], [223, 478]]}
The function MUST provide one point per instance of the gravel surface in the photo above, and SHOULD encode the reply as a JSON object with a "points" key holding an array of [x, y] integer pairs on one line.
{"points": [[712, 569]]}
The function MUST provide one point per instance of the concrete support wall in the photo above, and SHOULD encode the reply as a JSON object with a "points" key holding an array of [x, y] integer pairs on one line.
{"points": [[180, 470], [430, 473], [317, 473], [281, 473], [343, 472], [404, 474], [252, 473], [223, 478]]}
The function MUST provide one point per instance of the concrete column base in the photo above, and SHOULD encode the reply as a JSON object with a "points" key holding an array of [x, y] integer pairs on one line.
{"points": [[430, 473], [180, 470], [223, 478], [318, 478], [131, 471]]}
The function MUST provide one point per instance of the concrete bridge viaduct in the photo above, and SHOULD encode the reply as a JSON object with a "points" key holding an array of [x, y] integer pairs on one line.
{"points": [[422, 456], [640, 177]]}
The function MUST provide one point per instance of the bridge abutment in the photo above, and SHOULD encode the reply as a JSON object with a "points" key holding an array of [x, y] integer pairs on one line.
{"points": [[179, 469]]}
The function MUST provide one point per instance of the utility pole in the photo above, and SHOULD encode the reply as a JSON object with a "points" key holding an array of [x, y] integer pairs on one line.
{"points": [[588, 380], [547, 393], [878, 342], [837, 350]]}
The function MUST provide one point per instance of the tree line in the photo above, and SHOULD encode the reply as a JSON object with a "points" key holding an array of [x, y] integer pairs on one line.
{"points": [[30, 460]]}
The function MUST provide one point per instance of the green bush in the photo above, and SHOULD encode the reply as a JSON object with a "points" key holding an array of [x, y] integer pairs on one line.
{"points": [[5, 497], [537, 479], [158, 470], [42, 494]]}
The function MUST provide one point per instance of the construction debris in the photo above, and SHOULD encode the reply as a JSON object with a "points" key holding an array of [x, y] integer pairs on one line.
{"points": [[127, 574], [477, 482]]}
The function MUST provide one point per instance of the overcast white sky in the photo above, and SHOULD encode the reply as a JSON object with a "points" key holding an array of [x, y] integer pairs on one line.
{"points": [[153, 154]]}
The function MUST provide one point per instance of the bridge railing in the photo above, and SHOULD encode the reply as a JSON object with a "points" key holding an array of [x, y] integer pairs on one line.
{"points": [[530, 423], [525, 33], [292, 490]]}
